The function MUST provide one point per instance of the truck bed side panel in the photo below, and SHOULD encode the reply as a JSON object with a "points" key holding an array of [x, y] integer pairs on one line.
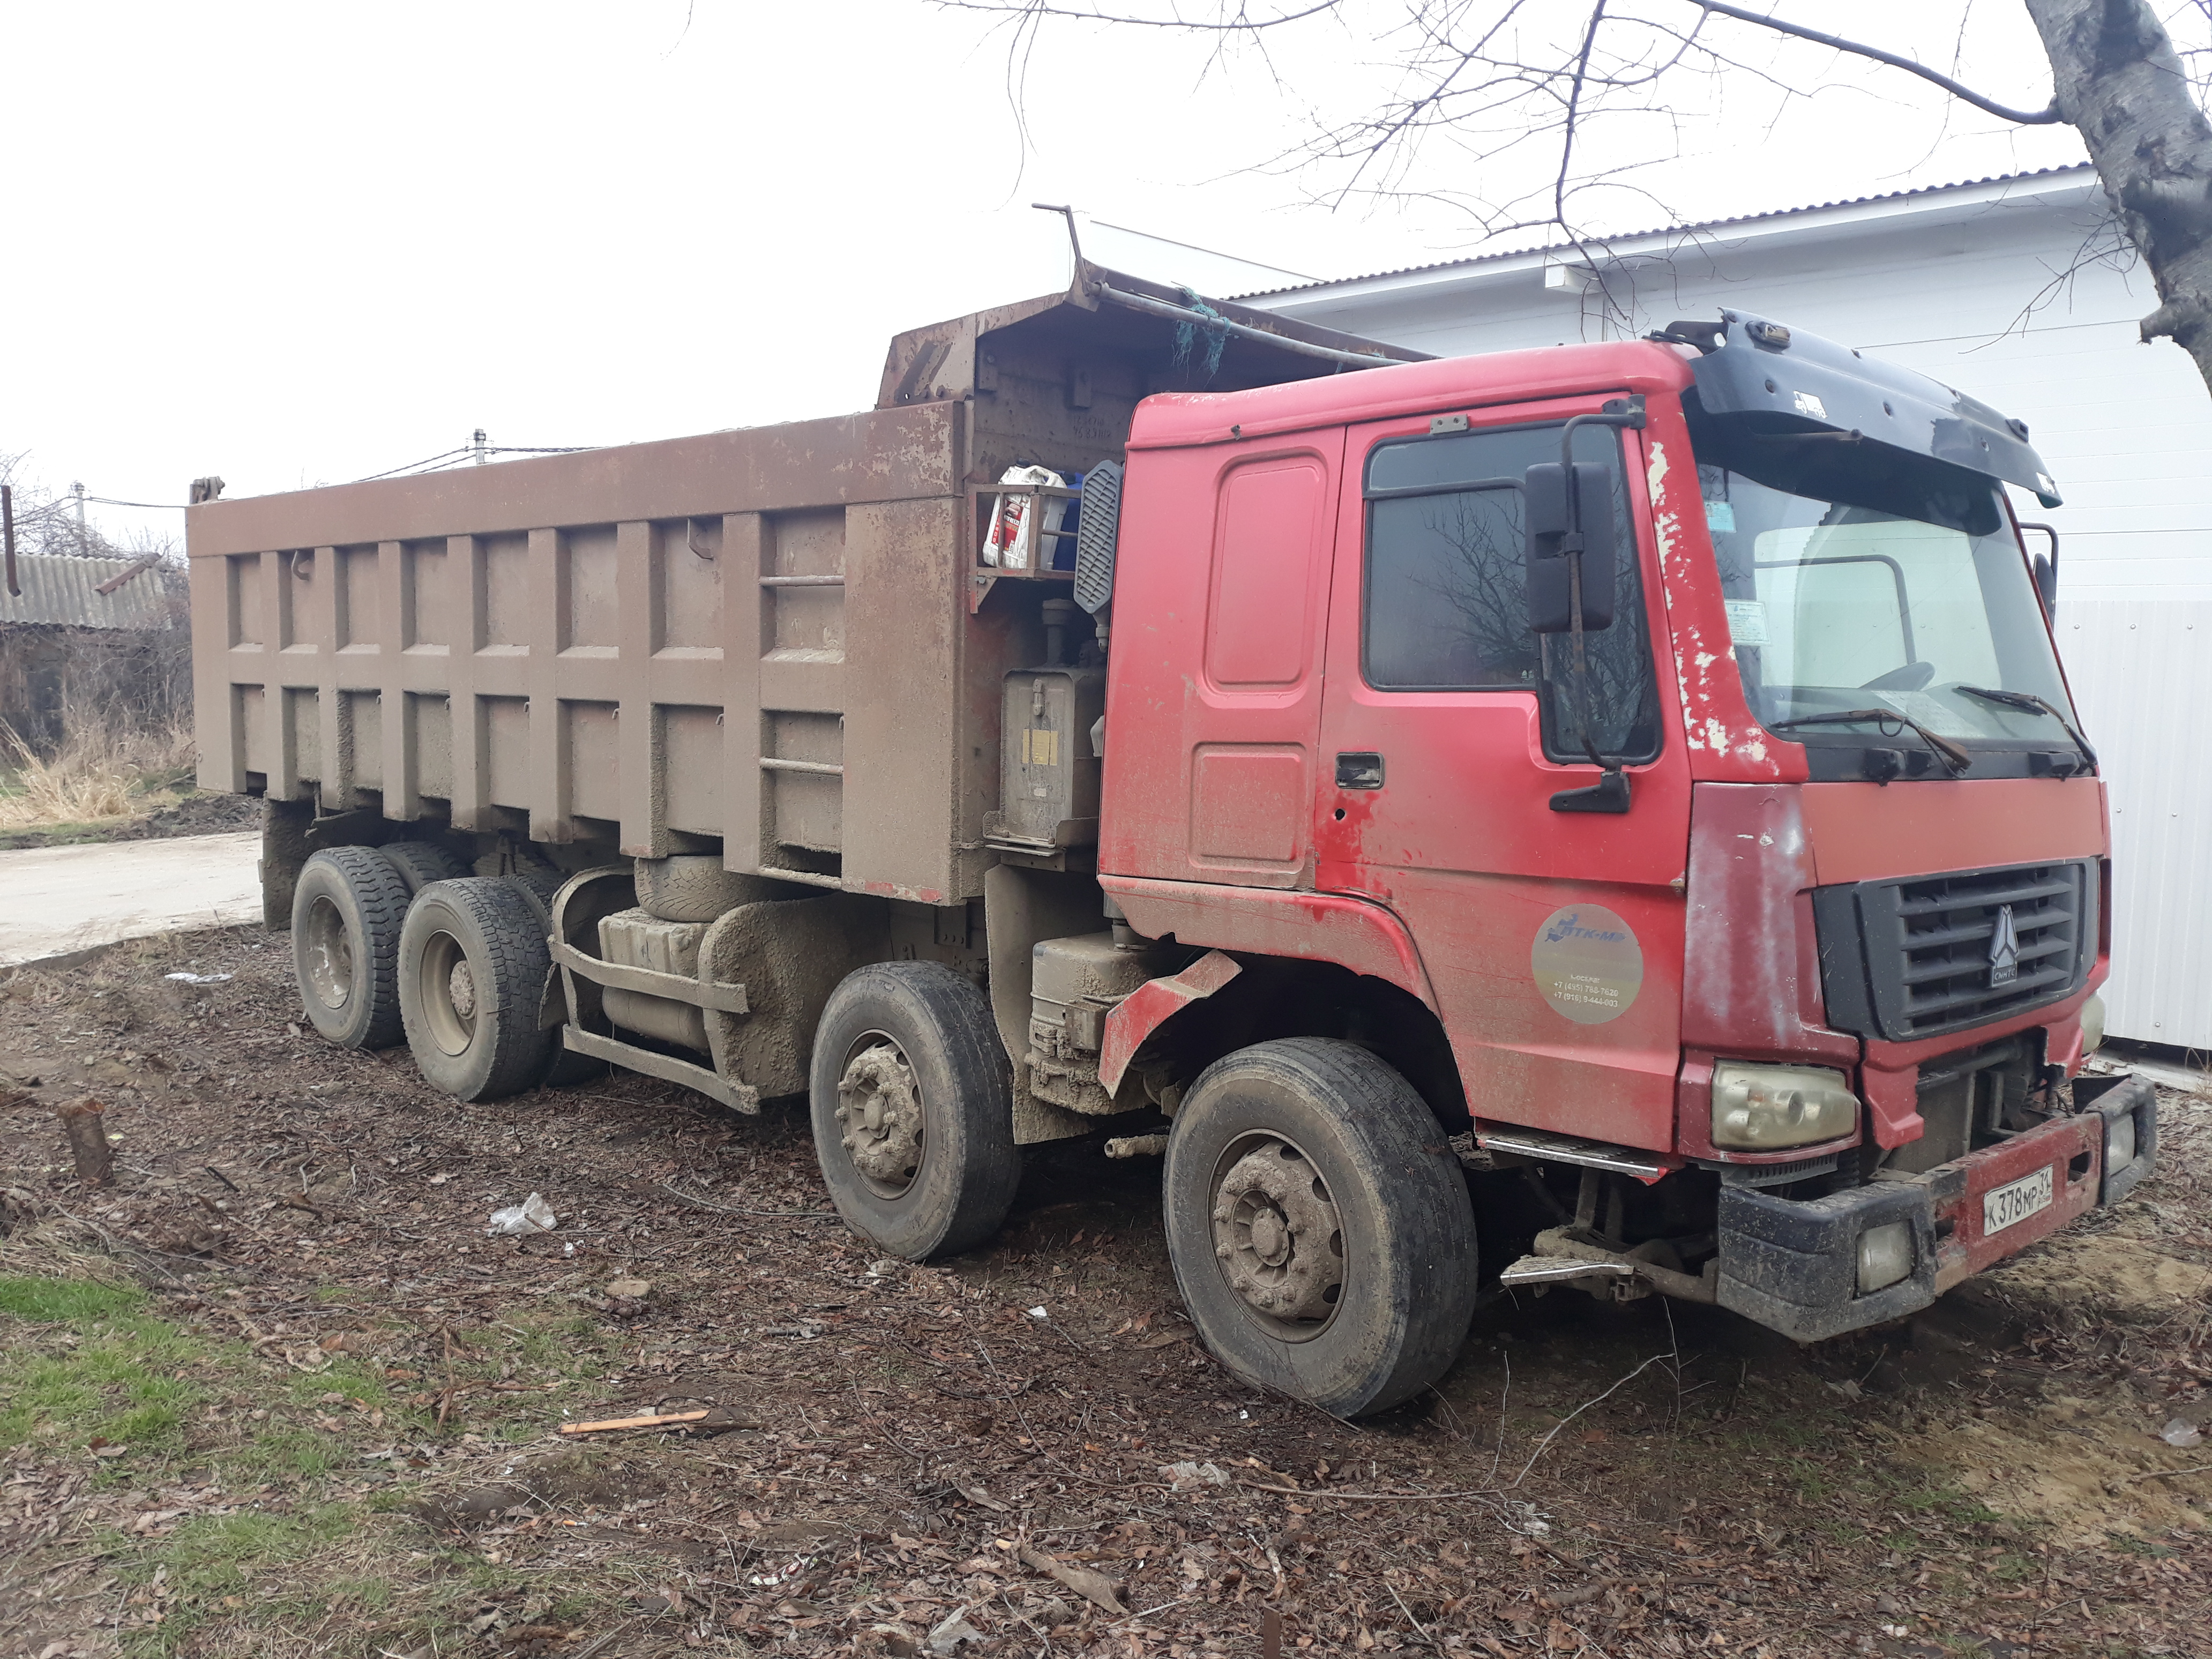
{"points": [[632, 645]]}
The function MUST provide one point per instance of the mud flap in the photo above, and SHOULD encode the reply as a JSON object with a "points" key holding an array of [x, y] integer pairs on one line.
{"points": [[553, 1001]]}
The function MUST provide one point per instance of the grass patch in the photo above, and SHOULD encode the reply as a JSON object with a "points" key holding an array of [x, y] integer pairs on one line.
{"points": [[2128, 1544], [55, 1301], [121, 1376], [1813, 1485], [322, 1549]]}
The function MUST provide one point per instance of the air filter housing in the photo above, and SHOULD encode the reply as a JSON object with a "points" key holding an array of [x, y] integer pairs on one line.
{"points": [[1096, 536]]}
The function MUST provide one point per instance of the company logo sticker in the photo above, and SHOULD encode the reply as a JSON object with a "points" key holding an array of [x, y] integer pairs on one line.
{"points": [[1587, 964]]}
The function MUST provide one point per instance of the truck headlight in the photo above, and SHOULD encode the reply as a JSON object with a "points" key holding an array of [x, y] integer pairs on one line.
{"points": [[1885, 1256], [2092, 1024], [1761, 1109]]}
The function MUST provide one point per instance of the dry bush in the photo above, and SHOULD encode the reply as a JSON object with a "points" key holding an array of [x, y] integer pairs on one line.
{"points": [[101, 770]]}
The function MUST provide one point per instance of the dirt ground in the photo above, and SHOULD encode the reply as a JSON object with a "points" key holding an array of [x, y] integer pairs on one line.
{"points": [[277, 1392]]}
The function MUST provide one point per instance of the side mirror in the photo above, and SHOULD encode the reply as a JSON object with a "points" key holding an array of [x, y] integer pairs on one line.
{"points": [[1544, 498], [2045, 568]]}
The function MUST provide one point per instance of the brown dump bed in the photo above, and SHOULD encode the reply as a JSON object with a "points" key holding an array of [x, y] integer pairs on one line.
{"points": [[778, 643]]}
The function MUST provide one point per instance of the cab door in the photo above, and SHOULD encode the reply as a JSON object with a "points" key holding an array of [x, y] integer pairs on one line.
{"points": [[1553, 938]]}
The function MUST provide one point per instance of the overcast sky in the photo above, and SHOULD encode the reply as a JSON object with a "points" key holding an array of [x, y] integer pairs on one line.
{"points": [[301, 244]]}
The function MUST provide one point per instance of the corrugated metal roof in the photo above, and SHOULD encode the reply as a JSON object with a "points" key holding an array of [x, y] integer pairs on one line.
{"points": [[1677, 230], [59, 591]]}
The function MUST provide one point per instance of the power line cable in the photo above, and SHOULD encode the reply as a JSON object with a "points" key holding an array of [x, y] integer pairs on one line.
{"points": [[441, 455], [450, 456], [62, 504]]}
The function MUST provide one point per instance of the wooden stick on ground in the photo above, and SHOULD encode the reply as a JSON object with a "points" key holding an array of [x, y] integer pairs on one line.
{"points": [[653, 1421]]}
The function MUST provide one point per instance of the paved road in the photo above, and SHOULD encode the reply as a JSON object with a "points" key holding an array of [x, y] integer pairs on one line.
{"points": [[54, 900]]}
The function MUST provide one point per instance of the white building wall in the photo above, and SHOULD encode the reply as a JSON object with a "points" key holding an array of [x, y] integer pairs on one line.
{"points": [[2143, 673], [1970, 287]]}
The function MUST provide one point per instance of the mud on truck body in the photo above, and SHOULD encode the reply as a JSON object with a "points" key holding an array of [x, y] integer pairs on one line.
{"points": [[1607, 817]]}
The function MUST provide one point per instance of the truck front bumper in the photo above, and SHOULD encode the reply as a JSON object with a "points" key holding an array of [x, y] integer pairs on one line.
{"points": [[1795, 1266]]}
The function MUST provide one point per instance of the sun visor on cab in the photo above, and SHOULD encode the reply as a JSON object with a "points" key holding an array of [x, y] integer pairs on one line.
{"points": [[1787, 381]]}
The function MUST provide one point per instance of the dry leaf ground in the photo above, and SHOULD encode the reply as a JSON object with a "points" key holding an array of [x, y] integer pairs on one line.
{"points": [[276, 1393]]}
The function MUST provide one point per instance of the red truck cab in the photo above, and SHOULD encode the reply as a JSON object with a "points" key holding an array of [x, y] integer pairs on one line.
{"points": [[1762, 915]]}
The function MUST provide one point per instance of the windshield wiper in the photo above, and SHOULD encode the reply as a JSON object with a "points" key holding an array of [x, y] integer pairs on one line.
{"points": [[1956, 760], [2034, 705]]}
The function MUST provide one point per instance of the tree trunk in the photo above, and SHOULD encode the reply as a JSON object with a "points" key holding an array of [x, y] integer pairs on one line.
{"points": [[2121, 85], [87, 1139]]}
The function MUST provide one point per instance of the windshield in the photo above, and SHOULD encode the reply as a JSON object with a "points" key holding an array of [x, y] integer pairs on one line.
{"points": [[1857, 582]]}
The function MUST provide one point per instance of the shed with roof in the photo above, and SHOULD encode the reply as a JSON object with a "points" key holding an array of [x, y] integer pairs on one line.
{"points": [[82, 631]]}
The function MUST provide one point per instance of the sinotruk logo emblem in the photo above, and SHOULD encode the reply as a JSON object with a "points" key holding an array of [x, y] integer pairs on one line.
{"points": [[2004, 950]]}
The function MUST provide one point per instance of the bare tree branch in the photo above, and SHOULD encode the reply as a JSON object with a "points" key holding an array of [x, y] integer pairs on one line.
{"points": [[2048, 116], [1516, 90], [1238, 23]]}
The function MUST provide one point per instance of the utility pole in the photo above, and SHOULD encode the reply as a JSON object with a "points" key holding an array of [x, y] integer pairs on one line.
{"points": [[478, 445], [84, 537], [8, 532]]}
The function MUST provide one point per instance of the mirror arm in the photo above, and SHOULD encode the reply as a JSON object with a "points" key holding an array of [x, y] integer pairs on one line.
{"points": [[1610, 792]]}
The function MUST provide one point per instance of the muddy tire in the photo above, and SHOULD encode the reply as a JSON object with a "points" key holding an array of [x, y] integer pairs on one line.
{"points": [[537, 883], [422, 862], [913, 1110], [472, 964], [347, 910], [1319, 1227]]}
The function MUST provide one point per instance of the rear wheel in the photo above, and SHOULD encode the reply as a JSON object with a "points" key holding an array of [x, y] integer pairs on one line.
{"points": [[347, 910], [473, 967], [539, 883], [422, 862], [1319, 1227], [912, 1109]]}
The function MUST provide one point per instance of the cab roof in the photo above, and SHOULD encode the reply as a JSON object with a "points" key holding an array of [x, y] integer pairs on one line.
{"points": [[1182, 419]]}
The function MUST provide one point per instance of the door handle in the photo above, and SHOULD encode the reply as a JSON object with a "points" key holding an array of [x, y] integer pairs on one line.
{"points": [[1359, 771]]}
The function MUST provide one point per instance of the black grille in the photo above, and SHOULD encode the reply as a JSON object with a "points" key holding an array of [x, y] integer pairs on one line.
{"points": [[1916, 958]]}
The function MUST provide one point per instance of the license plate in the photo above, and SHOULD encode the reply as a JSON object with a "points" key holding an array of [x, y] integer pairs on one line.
{"points": [[2016, 1201]]}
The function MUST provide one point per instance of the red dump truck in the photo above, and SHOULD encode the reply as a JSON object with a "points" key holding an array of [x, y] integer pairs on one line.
{"points": [[1607, 817]]}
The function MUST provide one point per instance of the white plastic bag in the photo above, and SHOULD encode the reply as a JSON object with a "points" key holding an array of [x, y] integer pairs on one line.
{"points": [[532, 1215], [1011, 539]]}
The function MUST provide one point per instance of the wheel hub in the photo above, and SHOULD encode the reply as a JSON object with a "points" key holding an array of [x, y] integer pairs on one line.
{"points": [[461, 989], [329, 955], [879, 1117], [448, 993], [1278, 1234]]}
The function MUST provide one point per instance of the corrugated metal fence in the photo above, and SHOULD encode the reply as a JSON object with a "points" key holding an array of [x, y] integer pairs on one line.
{"points": [[2141, 673]]}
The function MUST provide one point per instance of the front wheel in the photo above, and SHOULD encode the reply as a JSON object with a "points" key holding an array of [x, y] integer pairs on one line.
{"points": [[912, 1109], [1319, 1226]]}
